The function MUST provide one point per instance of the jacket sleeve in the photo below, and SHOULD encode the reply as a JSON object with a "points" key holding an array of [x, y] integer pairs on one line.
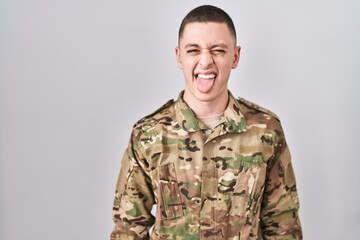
{"points": [[134, 198], [279, 215]]}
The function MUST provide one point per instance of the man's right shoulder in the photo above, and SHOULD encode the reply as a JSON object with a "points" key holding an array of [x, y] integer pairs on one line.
{"points": [[165, 112]]}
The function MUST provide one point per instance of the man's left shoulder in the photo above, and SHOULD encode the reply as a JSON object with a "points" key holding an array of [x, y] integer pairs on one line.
{"points": [[255, 107]]}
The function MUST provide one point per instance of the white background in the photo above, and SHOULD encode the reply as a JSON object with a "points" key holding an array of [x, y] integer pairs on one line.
{"points": [[76, 74]]}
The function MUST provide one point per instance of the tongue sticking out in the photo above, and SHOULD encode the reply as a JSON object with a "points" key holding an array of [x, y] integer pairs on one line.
{"points": [[205, 82]]}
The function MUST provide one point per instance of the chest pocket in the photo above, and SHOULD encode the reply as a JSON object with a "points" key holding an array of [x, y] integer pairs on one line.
{"points": [[169, 195], [246, 199]]}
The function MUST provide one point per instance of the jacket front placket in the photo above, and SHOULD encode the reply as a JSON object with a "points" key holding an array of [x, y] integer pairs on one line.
{"points": [[232, 122]]}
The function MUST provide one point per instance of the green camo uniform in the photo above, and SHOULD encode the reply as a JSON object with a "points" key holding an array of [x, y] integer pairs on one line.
{"points": [[235, 181]]}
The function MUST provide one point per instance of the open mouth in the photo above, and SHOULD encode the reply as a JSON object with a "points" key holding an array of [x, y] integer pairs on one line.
{"points": [[205, 81], [206, 76]]}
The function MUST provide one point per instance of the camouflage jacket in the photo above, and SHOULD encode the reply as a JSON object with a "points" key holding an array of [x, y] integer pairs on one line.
{"points": [[235, 181]]}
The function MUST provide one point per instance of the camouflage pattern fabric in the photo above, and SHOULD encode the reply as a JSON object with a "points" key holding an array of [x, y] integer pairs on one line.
{"points": [[235, 181]]}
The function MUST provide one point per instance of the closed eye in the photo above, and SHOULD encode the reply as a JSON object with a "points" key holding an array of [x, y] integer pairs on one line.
{"points": [[192, 50], [218, 51]]}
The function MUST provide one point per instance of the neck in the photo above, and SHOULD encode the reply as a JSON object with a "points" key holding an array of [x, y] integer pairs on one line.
{"points": [[207, 108]]}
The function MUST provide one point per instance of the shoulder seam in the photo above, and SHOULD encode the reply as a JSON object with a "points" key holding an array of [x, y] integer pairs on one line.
{"points": [[257, 107], [168, 103]]}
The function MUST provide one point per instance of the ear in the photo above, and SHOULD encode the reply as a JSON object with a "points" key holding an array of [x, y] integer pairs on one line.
{"points": [[178, 57], [236, 57]]}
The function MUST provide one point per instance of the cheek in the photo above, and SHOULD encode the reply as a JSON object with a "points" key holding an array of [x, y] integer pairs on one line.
{"points": [[225, 66], [189, 66], [187, 71]]}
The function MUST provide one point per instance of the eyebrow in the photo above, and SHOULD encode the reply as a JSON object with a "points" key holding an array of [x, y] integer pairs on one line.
{"points": [[192, 45], [222, 45], [211, 47]]}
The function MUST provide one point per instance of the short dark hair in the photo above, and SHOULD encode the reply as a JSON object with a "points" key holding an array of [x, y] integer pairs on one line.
{"points": [[207, 13]]}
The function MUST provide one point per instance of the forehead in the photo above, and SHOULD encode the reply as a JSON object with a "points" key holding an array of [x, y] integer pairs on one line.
{"points": [[206, 32]]}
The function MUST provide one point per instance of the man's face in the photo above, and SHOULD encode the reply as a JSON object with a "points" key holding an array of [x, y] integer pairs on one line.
{"points": [[206, 54]]}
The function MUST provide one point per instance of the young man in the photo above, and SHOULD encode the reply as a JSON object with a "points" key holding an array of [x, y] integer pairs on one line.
{"points": [[217, 167]]}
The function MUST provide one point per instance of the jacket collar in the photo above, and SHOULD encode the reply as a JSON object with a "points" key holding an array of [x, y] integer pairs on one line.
{"points": [[233, 120]]}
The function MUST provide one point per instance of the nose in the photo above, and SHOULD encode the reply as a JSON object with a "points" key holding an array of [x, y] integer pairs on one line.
{"points": [[205, 60]]}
